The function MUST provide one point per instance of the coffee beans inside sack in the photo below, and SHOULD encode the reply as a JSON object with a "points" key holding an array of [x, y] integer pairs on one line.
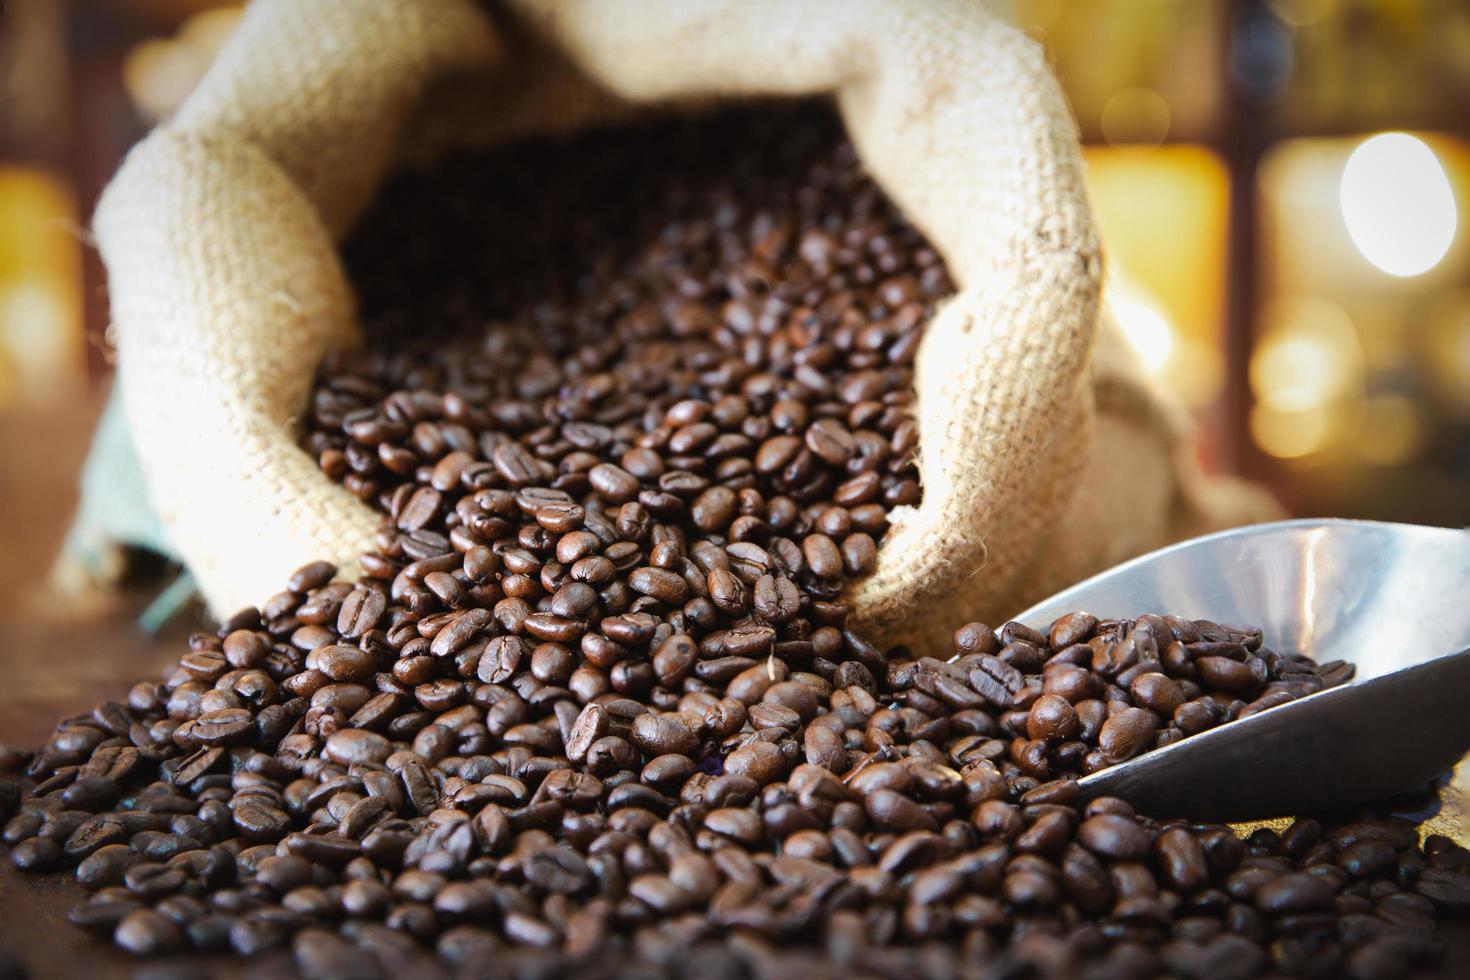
{"points": [[1044, 456], [634, 408]]}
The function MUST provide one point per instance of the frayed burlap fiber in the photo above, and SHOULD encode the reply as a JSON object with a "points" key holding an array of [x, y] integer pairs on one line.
{"points": [[1042, 458]]}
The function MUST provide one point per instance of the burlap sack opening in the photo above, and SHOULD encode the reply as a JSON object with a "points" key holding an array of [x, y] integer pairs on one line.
{"points": [[1042, 457]]}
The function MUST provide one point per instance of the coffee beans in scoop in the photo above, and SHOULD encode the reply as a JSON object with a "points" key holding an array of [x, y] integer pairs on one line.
{"points": [[594, 705]]}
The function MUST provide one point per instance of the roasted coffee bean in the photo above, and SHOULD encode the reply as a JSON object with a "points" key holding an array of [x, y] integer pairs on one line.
{"points": [[228, 726], [1181, 860], [356, 745], [659, 584], [36, 854], [321, 955], [1241, 678], [150, 881], [197, 764], [312, 575], [360, 612], [147, 933], [1127, 733], [1115, 837], [657, 734], [776, 599], [759, 761], [1446, 888], [1051, 717], [105, 866], [558, 869], [1293, 893], [344, 663], [259, 819]]}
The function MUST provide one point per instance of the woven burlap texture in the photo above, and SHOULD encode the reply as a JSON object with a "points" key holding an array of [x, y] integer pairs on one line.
{"points": [[1041, 457]]}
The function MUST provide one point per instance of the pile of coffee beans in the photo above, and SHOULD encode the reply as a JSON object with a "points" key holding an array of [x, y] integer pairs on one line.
{"points": [[829, 820], [594, 704]]}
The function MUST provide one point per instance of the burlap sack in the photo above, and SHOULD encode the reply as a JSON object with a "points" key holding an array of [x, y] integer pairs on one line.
{"points": [[1042, 457]]}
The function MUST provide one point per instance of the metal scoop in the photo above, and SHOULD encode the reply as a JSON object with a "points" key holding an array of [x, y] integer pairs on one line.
{"points": [[1392, 599]]}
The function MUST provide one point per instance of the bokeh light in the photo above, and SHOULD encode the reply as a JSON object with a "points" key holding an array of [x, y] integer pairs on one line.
{"points": [[1292, 435], [36, 323], [1143, 322], [1190, 369], [41, 354], [1398, 204], [1308, 356]]}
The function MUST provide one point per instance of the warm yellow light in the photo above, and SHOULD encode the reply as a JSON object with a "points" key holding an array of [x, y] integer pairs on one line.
{"points": [[1397, 203], [1171, 284], [1308, 356], [1295, 373], [41, 337], [34, 317], [1291, 435], [1143, 322]]}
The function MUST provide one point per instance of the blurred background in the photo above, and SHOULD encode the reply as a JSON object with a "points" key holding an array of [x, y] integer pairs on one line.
{"points": [[1282, 186]]}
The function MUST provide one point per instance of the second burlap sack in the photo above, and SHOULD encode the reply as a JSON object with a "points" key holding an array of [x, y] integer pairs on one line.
{"points": [[1042, 456]]}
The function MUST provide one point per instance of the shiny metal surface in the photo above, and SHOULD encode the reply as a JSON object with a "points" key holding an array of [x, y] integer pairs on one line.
{"points": [[1393, 599]]}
